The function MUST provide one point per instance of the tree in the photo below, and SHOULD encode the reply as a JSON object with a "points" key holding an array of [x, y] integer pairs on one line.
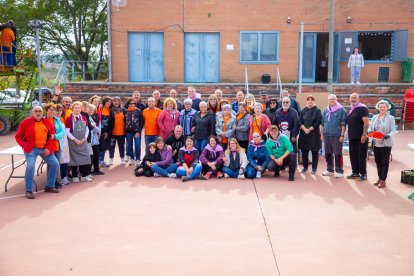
{"points": [[76, 28]]}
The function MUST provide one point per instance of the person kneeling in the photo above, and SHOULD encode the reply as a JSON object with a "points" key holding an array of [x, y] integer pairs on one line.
{"points": [[212, 158], [258, 157], [281, 153], [235, 160], [188, 157], [150, 159]]}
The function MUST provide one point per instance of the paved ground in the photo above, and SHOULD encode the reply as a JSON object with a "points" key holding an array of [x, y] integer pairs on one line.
{"points": [[123, 225]]}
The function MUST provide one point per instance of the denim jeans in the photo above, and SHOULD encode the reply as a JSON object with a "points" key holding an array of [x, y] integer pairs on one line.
{"points": [[52, 168], [131, 145], [200, 144], [164, 172], [355, 73], [196, 171], [230, 172], [149, 139]]}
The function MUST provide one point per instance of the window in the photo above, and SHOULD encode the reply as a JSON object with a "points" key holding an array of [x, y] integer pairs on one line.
{"points": [[259, 47], [375, 45]]}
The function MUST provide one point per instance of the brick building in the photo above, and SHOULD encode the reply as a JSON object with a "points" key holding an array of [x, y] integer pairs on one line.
{"points": [[213, 41]]}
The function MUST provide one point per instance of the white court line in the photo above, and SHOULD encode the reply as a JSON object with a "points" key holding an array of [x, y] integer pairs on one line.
{"points": [[8, 197]]}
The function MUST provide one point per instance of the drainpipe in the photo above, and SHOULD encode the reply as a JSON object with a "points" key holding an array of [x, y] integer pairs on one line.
{"points": [[302, 27], [331, 48], [109, 42]]}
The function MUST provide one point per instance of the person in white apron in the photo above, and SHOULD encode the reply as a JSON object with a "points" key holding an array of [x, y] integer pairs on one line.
{"points": [[77, 132]]}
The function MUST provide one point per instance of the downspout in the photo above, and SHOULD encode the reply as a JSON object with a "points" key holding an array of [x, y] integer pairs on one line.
{"points": [[109, 42]]}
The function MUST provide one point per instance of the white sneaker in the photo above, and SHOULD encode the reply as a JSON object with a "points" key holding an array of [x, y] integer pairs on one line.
{"points": [[103, 164], [358, 82], [172, 175], [352, 82], [157, 175], [132, 162], [123, 162], [65, 181], [111, 162], [85, 179], [226, 175], [60, 181], [75, 180], [241, 176], [89, 176], [258, 175], [327, 173], [339, 175], [126, 159]]}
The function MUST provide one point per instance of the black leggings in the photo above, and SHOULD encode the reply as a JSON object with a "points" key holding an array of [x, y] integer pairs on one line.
{"points": [[121, 146], [84, 170]]}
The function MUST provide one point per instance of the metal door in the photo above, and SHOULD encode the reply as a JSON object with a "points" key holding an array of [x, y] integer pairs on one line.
{"points": [[202, 57], [146, 57], [309, 57]]}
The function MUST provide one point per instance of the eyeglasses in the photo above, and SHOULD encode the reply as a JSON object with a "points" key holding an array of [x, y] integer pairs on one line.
{"points": [[286, 102], [272, 102], [256, 136], [132, 103]]}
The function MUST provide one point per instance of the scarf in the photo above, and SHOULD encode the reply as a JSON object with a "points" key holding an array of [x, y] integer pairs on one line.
{"points": [[188, 151], [277, 143], [116, 110], [353, 107], [336, 107], [214, 150], [256, 146], [234, 161], [130, 109]]}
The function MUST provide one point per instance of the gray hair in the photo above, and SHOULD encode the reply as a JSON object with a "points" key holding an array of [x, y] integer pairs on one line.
{"points": [[202, 104], [186, 101], [258, 105], [226, 106], [382, 102], [332, 96]]}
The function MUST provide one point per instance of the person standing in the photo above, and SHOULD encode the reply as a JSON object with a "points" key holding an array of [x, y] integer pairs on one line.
{"points": [[355, 63], [332, 134], [239, 99], [271, 111], [173, 94], [150, 115], [358, 124], [224, 126], [187, 116], [203, 127], [242, 126], [157, 97], [264, 97], [309, 136], [36, 136], [107, 125], [293, 103], [384, 123], [192, 95], [259, 123], [134, 123], [6, 40], [118, 132], [287, 120], [136, 95], [168, 118]]}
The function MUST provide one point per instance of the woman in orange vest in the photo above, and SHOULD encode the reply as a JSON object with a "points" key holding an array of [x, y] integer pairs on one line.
{"points": [[118, 132], [6, 39]]}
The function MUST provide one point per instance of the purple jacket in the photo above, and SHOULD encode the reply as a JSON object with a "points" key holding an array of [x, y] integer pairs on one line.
{"points": [[166, 157], [210, 155]]}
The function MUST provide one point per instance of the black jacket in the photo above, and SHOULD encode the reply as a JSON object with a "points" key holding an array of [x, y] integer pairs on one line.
{"points": [[205, 126]]}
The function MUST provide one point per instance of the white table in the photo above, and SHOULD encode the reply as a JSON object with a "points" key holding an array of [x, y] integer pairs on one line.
{"points": [[18, 151]]}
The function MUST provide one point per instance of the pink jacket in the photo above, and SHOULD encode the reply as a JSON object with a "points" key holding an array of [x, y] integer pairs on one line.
{"points": [[264, 125], [167, 123]]}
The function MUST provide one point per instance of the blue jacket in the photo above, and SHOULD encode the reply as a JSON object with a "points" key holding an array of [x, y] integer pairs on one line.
{"points": [[60, 131], [186, 121], [261, 152], [333, 127]]}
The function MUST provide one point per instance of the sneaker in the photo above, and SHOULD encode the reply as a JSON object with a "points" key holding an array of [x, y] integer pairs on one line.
{"points": [[327, 173], [358, 82], [241, 176], [304, 170], [65, 181], [226, 175], [123, 162], [103, 164], [75, 180], [98, 173], [51, 190], [60, 181], [258, 175], [58, 185], [207, 176], [132, 162], [219, 175], [89, 176], [85, 179], [313, 171], [111, 162], [339, 175], [363, 177], [30, 195], [126, 159], [172, 175], [291, 178], [352, 82], [70, 179], [185, 178], [156, 175], [352, 176]]}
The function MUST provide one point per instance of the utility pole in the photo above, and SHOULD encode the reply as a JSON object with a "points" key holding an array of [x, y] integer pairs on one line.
{"points": [[108, 7], [37, 24], [331, 47]]}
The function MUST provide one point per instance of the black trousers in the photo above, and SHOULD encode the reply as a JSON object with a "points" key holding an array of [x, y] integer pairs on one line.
{"points": [[315, 159], [206, 169], [289, 161], [84, 170], [244, 144], [95, 158], [121, 146], [339, 162], [382, 159], [358, 155]]}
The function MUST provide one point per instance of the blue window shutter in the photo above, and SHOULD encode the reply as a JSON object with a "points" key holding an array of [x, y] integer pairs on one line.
{"points": [[399, 46]]}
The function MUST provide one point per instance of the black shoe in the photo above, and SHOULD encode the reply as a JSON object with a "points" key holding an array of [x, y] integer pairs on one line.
{"points": [[277, 174], [363, 177], [58, 186], [185, 178], [352, 176], [51, 190], [98, 173], [291, 178]]}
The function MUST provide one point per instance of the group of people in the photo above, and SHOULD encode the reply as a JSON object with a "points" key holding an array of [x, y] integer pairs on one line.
{"points": [[197, 139], [8, 44]]}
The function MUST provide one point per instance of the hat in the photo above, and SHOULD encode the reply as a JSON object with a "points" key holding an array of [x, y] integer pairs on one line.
{"points": [[273, 127], [310, 97], [273, 100], [264, 93]]}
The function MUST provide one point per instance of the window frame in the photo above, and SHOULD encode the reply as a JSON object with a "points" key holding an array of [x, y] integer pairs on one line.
{"points": [[378, 61], [259, 45]]}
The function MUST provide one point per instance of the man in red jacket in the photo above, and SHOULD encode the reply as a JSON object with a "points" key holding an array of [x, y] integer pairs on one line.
{"points": [[36, 136]]}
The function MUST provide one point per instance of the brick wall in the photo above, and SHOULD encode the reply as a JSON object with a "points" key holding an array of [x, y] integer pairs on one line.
{"points": [[174, 17]]}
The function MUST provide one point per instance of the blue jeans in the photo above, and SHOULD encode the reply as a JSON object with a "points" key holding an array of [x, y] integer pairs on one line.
{"points": [[52, 168], [230, 172], [130, 145], [164, 172], [149, 139], [7, 58], [200, 144], [196, 171], [355, 73]]}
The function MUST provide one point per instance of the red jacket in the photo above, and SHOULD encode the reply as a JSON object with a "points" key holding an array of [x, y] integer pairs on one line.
{"points": [[25, 135]]}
